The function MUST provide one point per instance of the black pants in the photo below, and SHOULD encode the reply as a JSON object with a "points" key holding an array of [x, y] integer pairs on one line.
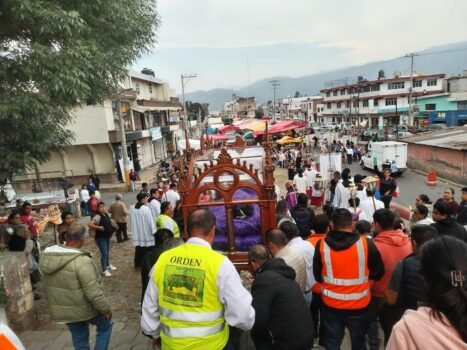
{"points": [[315, 309], [140, 252], [121, 230], [291, 174], [386, 200]]}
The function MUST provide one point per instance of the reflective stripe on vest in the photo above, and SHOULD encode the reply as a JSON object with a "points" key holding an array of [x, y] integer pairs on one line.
{"points": [[191, 316], [191, 332], [345, 285], [351, 296], [341, 281]]}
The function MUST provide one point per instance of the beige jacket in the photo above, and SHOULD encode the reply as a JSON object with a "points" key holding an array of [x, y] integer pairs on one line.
{"points": [[295, 260], [422, 330], [118, 212]]}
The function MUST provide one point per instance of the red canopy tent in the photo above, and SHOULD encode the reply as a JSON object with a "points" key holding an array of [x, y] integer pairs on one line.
{"points": [[281, 127], [227, 128]]}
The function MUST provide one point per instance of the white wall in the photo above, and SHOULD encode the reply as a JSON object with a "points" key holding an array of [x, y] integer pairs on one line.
{"points": [[91, 124]]}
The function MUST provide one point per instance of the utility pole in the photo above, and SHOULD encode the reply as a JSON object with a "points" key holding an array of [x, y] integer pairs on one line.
{"points": [[186, 77], [126, 162], [275, 83], [411, 55]]}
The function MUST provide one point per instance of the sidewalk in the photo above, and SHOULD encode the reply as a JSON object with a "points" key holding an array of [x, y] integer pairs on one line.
{"points": [[146, 175]]}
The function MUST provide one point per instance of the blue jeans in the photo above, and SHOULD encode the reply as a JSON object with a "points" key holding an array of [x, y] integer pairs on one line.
{"points": [[334, 324], [80, 333], [104, 248]]}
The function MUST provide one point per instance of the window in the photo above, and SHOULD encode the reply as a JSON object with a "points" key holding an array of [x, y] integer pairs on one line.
{"points": [[365, 103], [334, 93], [394, 86], [462, 105], [350, 91], [347, 104], [150, 88], [374, 87], [342, 92], [432, 82], [338, 105], [430, 107], [391, 101], [328, 105], [355, 104], [365, 89], [137, 89], [417, 83], [375, 103], [328, 94]]}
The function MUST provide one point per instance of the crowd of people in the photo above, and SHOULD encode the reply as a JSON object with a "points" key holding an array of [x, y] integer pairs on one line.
{"points": [[355, 266]]}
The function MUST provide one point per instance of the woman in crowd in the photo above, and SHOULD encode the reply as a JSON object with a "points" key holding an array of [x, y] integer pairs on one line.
{"points": [[102, 227], [442, 323], [424, 200]]}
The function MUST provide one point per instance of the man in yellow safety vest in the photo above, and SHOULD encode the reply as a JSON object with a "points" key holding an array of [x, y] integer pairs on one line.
{"points": [[195, 293]]}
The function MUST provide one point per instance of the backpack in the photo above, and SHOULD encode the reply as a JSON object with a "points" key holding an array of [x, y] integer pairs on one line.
{"points": [[302, 217]]}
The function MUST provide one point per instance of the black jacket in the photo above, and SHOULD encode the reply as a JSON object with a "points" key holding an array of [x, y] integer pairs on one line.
{"points": [[452, 228], [303, 217], [281, 311], [340, 240], [462, 213]]}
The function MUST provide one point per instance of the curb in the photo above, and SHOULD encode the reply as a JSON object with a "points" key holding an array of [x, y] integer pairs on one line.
{"points": [[420, 172]]}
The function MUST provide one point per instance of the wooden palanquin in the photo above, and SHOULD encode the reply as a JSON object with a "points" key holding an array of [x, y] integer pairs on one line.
{"points": [[212, 177]]}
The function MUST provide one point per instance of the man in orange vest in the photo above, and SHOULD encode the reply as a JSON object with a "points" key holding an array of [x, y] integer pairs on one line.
{"points": [[344, 263], [320, 224]]}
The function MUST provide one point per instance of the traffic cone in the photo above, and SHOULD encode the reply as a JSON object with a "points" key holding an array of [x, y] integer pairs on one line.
{"points": [[431, 178]]}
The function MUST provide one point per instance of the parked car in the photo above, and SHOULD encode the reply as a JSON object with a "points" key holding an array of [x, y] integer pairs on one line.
{"points": [[436, 127], [399, 135]]}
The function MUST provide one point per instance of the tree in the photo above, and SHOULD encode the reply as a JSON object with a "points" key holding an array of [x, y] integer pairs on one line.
{"points": [[56, 55], [259, 113], [194, 109], [297, 94]]}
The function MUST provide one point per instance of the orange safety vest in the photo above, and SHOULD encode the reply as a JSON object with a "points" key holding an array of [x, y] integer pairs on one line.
{"points": [[314, 239], [345, 276]]}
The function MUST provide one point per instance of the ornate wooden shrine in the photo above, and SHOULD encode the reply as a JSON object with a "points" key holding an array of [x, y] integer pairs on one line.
{"points": [[237, 185]]}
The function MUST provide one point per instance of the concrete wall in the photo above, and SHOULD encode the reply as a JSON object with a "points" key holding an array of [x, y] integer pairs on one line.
{"points": [[91, 124], [448, 163], [442, 103]]}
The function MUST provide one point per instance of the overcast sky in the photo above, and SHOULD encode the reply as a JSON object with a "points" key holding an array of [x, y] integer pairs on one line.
{"points": [[230, 44]]}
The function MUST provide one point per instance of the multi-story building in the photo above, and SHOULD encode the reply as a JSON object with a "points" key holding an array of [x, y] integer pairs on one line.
{"points": [[300, 108], [240, 107], [448, 108], [151, 117], [380, 102]]}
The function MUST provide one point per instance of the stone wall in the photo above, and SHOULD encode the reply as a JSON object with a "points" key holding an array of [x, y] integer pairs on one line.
{"points": [[448, 163], [20, 306]]}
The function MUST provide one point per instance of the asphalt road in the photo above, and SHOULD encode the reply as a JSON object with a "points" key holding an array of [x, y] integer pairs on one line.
{"points": [[412, 184]]}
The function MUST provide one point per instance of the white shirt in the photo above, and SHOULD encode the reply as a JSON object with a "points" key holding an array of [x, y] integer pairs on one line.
{"points": [[238, 311], [301, 183], [367, 206], [310, 174], [142, 227], [341, 196], [362, 195], [155, 207], [308, 251], [171, 196]]}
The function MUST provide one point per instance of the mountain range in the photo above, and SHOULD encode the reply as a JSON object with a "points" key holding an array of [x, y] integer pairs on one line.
{"points": [[450, 59]]}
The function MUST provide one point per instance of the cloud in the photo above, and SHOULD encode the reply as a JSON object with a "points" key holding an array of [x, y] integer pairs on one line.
{"points": [[356, 32]]}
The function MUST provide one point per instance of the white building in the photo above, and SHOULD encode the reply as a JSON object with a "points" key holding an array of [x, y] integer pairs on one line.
{"points": [[300, 108], [240, 107], [380, 102], [150, 111]]}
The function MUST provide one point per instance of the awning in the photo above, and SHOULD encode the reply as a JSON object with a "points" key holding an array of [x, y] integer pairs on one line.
{"points": [[216, 137], [216, 126], [288, 139], [143, 109]]}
